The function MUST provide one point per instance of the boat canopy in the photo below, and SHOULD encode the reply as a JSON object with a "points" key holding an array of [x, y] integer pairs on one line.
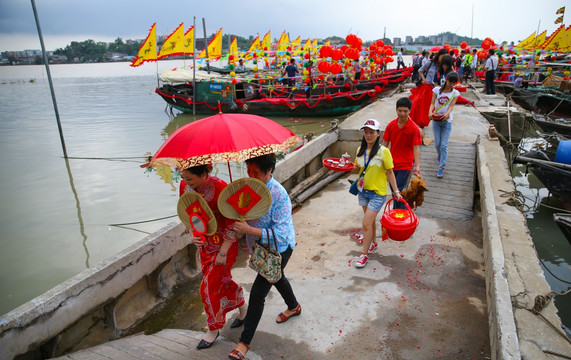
{"points": [[183, 76]]}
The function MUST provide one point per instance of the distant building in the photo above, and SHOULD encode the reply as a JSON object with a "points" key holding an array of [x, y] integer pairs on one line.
{"points": [[408, 40], [420, 40], [397, 41]]}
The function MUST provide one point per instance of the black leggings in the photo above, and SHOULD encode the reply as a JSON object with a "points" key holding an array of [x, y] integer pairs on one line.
{"points": [[260, 290]]}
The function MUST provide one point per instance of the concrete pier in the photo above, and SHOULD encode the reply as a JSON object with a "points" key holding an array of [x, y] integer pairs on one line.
{"points": [[460, 288]]}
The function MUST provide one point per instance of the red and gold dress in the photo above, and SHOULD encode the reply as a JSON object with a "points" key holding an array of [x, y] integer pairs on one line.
{"points": [[220, 294]]}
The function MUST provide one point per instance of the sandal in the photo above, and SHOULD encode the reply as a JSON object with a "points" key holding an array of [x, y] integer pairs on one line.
{"points": [[237, 354], [283, 317]]}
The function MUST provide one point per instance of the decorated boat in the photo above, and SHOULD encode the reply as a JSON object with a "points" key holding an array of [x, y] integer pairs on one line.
{"points": [[269, 96], [563, 220], [553, 169]]}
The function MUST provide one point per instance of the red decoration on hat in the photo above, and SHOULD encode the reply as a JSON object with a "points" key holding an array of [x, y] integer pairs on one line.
{"points": [[244, 200]]}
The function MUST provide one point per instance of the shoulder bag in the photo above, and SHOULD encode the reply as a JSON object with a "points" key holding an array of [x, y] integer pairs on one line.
{"points": [[265, 260]]}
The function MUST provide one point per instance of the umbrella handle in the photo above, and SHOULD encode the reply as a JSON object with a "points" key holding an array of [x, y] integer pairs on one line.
{"points": [[229, 171]]}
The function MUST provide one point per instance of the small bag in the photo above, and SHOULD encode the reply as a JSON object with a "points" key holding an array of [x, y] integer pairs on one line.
{"points": [[265, 260], [353, 188]]}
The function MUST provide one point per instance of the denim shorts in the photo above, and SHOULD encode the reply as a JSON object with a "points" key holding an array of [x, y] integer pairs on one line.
{"points": [[371, 200]]}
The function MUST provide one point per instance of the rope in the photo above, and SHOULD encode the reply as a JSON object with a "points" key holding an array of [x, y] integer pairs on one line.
{"points": [[143, 221], [540, 303], [516, 199]]}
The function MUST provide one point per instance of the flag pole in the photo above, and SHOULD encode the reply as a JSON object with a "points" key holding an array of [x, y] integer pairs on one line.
{"points": [[45, 56], [194, 66], [206, 45]]}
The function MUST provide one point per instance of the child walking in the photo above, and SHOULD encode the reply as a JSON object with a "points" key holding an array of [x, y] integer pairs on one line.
{"points": [[443, 100], [375, 165]]}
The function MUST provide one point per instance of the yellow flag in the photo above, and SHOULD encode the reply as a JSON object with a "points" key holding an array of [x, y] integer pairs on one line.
{"points": [[557, 41], [283, 42], [267, 40], [526, 41], [560, 11], [314, 43], [189, 41], [296, 43], [234, 47], [148, 50], [255, 45], [559, 20], [174, 43], [214, 46], [307, 45]]}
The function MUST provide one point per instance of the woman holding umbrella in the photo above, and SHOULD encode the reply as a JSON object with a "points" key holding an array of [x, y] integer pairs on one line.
{"points": [[218, 253]]}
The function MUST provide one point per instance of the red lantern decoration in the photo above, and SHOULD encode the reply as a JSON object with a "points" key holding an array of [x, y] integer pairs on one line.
{"points": [[324, 66], [307, 80], [335, 68], [463, 45], [380, 43], [337, 54], [350, 39], [325, 51], [485, 44], [306, 56], [231, 57]]}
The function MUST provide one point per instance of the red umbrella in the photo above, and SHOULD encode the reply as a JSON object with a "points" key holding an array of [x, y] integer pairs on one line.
{"points": [[223, 138], [436, 48]]}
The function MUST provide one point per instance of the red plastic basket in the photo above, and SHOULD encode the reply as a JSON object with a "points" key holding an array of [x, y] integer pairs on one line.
{"points": [[399, 224]]}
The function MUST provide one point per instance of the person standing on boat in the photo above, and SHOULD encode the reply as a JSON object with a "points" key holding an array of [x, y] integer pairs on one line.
{"points": [[402, 136], [400, 61], [474, 64], [491, 66], [467, 67], [218, 253], [291, 70], [357, 67], [375, 164], [241, 66], [278, 223], [443, 100]]}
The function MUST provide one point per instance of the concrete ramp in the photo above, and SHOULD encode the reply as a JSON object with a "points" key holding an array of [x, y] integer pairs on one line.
{"points": [[452, 196]]}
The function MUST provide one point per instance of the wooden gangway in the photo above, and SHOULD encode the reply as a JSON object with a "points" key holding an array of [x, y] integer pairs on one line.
{"points": [[168, 344], [451, 196]]}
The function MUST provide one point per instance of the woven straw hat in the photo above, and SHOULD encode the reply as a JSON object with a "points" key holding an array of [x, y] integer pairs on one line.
{"points": [[245, 199], [193, 203]]}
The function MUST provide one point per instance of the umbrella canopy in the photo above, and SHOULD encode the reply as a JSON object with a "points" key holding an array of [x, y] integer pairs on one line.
{"points": [[436, 48], [223, 138]]}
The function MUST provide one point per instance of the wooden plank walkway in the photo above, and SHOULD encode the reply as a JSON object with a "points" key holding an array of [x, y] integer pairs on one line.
{"points": [[452, 196], [168, 344]]}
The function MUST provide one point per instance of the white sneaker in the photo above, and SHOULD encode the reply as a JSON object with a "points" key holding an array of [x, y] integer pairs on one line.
{"points": [[362, 261]]}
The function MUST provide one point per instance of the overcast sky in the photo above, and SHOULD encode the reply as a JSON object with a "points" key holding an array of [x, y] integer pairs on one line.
{"points": [[63, 21]]}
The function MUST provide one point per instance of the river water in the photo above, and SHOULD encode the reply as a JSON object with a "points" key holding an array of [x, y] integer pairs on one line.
{"points": [[56, 215]]}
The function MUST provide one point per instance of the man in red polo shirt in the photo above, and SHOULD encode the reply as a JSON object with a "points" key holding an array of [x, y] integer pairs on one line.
{"points": [[403, 137]]}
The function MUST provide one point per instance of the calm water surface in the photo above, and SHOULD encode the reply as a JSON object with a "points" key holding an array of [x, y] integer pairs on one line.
{"points": [[55, 214]]}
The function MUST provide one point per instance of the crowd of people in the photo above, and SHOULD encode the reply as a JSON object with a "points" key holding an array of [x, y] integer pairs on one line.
{"points": [[385, 165]]}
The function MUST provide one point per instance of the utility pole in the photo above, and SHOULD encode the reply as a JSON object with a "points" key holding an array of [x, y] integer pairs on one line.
{"points": [[49, 78]]}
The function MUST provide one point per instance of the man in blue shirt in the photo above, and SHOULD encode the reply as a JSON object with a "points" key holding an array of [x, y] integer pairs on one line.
{"points": [[290, 71]]}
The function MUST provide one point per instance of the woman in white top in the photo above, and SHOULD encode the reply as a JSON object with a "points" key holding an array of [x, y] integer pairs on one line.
{"points": [[440, 112]]}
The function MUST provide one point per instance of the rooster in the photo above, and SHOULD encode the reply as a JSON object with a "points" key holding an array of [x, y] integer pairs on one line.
{"points": [[414, 195]]}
